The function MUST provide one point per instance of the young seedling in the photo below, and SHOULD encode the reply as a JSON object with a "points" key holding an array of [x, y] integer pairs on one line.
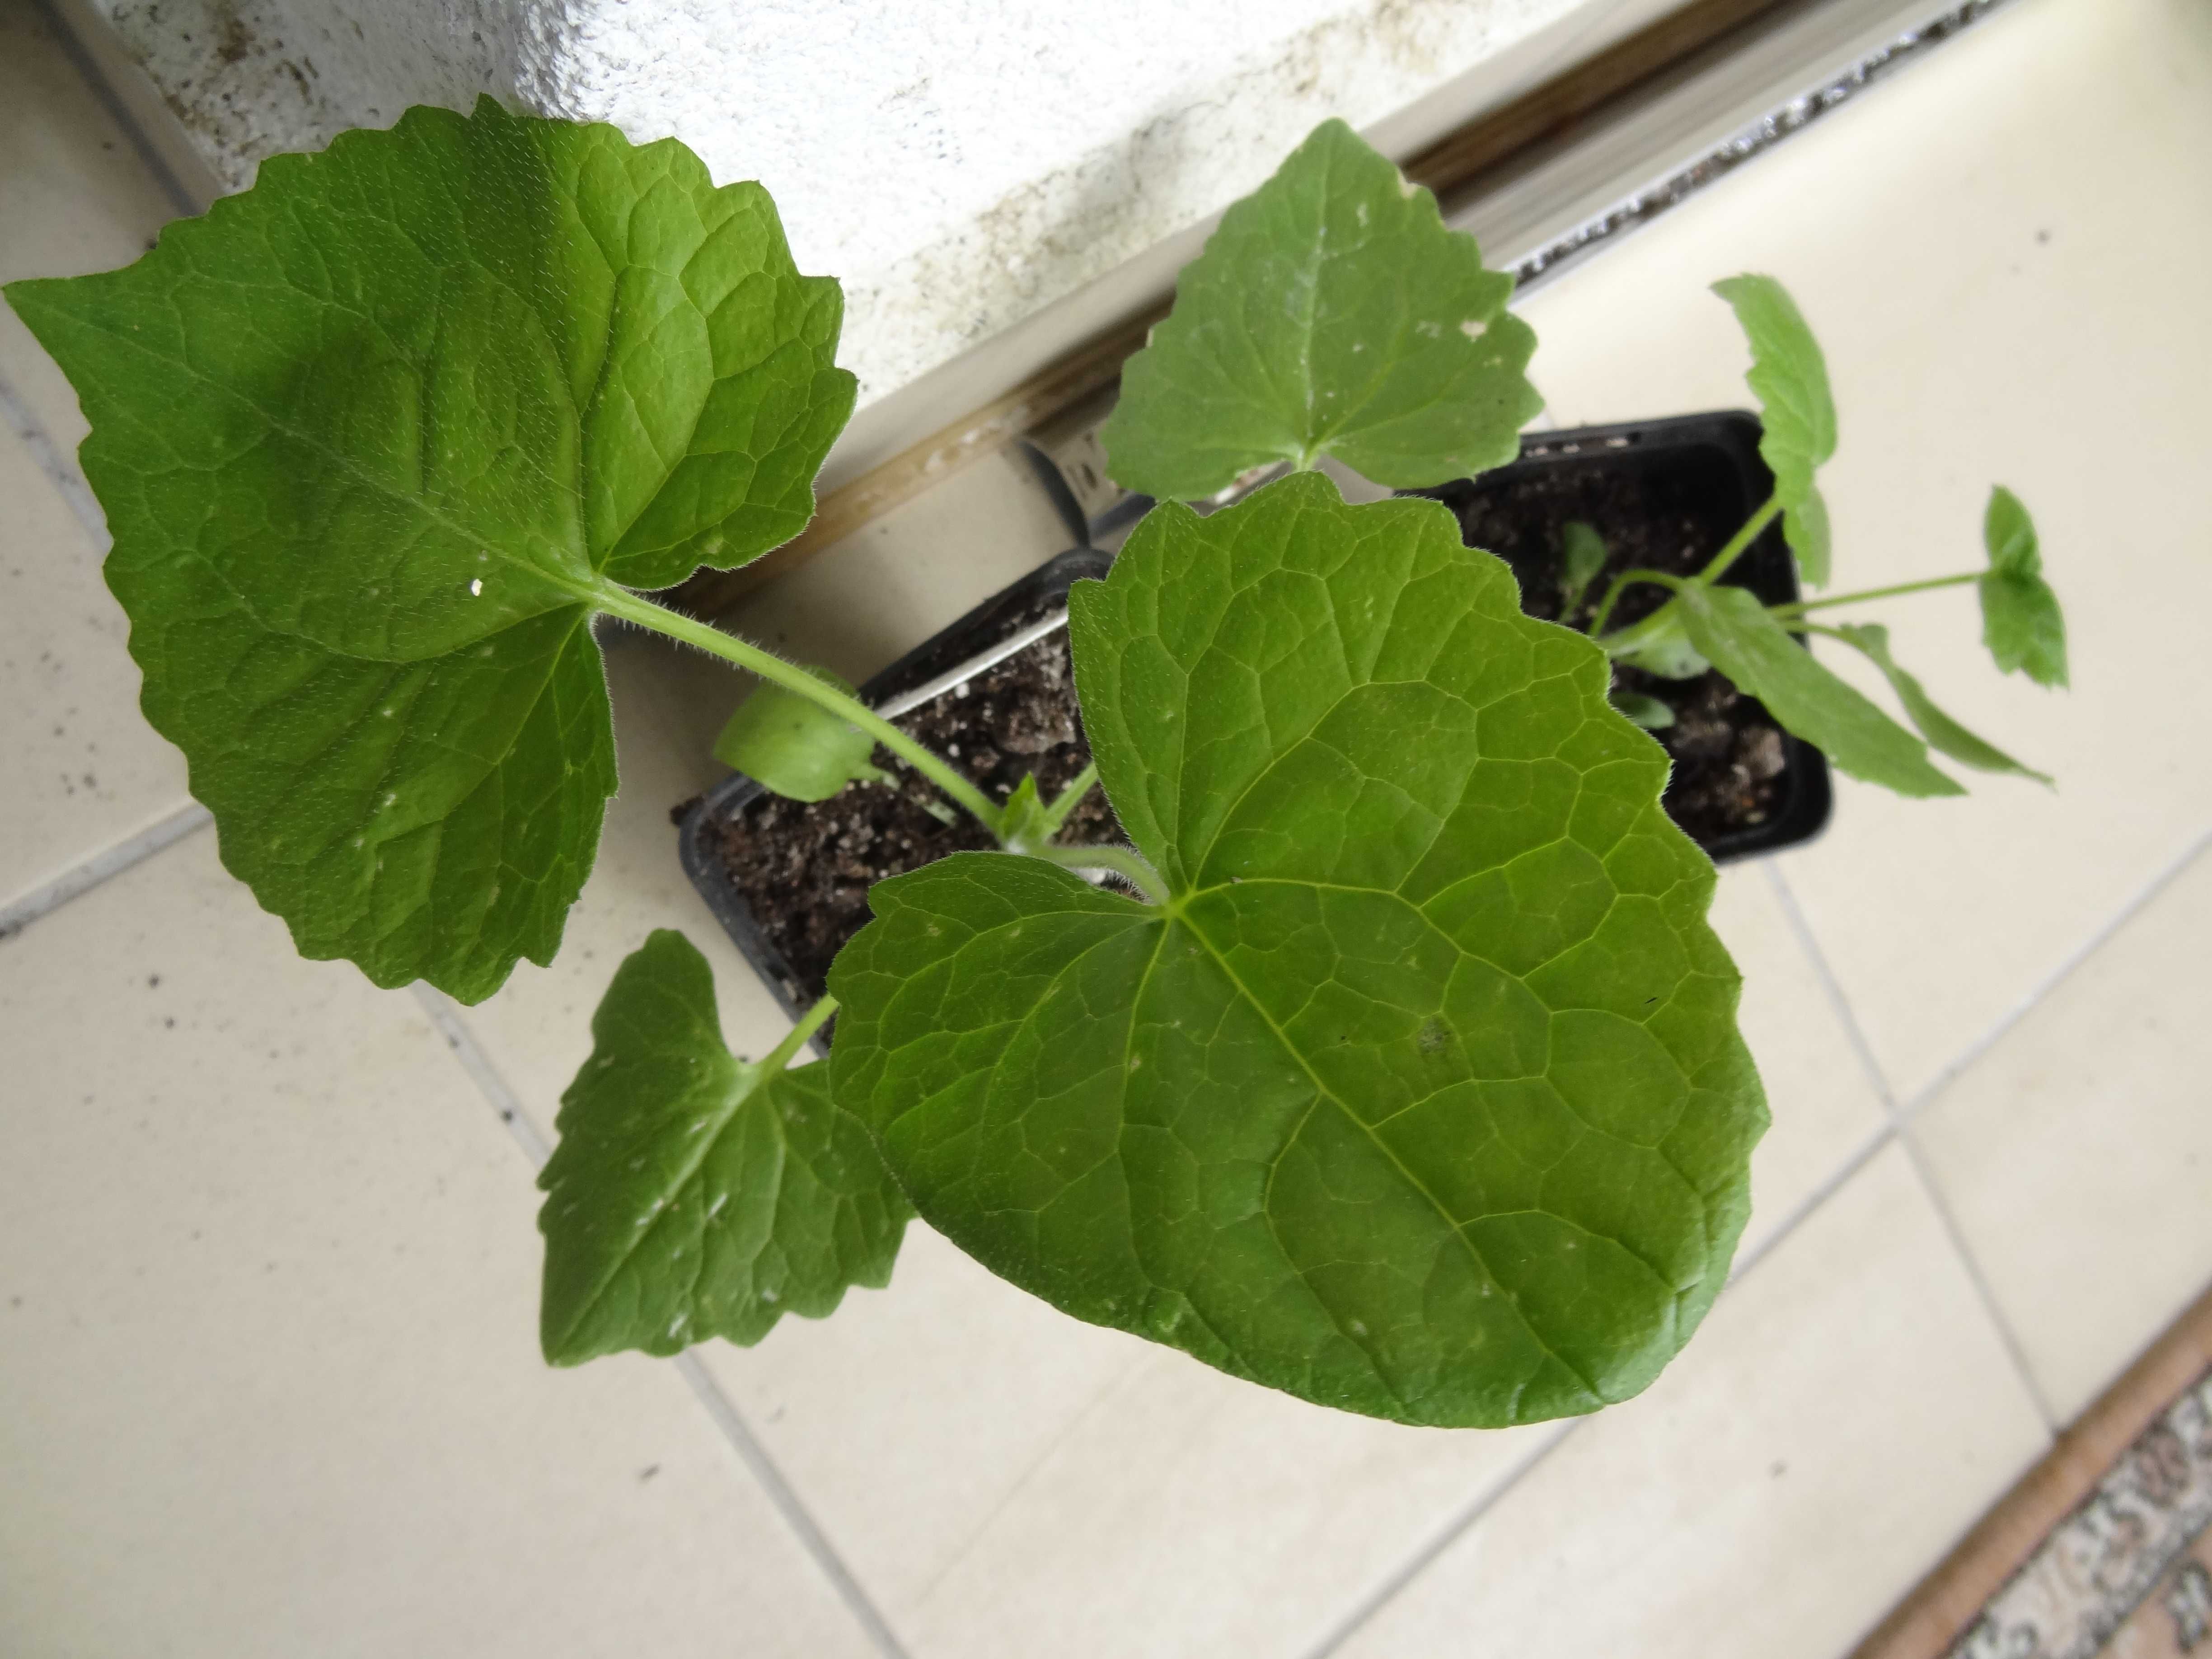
{"points": [[1405, 1076], [1708, 623]]}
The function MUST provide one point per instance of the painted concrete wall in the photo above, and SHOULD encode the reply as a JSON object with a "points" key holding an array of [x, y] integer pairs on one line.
{"points": [[959, 164]]}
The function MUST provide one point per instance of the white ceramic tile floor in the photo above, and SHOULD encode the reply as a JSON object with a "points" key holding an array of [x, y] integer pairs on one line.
{"points": [[267, 1275], [2077, 1151], [1844, 1415], [996, 1477]]}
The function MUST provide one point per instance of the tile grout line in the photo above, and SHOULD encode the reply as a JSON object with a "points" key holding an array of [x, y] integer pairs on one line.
{"points": [[1415, 1565], [1831, 989], [1834, 1183], [2007, 1336], [2129, 910], [446, 1015], [80, 878], [788, 1504], [1444, 1538], [16, 414]]}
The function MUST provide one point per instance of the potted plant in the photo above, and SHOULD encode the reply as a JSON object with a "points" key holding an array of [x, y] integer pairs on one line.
{"points": [[1394, 1064], [1597, 526]]}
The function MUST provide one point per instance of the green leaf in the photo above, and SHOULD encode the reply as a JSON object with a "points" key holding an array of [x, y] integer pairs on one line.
{"points": [[1028, 821], [1647, 712], [1943, 734], [1731, 626], [1662, 647], [1422, 1095], [1791, 378], [373, 438], [1582, 556], [796, 749], [2022, 623], [1805, 527], [694, 1194], [1331, 313]]}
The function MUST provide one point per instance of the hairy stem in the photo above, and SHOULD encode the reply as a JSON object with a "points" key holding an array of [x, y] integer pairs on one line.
{"points": [[1784, 612], [809, 1023], [1123, 861], [1621, 583], [1739, 543], [1070, 797], [619, 602]]}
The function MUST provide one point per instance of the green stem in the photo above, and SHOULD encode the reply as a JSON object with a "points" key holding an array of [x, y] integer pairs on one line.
{"points": [[1620, 582], [1070, 797], [619, 602], [1123, 861], [1784, 612], [1739, 543], [809, 1023]]}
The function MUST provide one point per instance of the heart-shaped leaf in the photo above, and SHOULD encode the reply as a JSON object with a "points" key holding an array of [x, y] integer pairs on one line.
{"points": [[1422, 1094], [2022, 623], [694, 1194], [1332, 313], [374, 438]]}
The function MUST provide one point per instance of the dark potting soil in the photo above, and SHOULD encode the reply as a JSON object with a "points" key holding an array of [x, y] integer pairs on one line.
{"points": [[804, 868], [1728, 750]]}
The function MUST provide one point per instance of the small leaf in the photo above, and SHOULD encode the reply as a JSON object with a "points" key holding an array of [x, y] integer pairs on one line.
{"points": [[1791, 378], [1581, 558], [1805, 527], [374, 438], [1647, 712], [1945, 734], [1422, 1095], [2022, 623], [796, 749], [694, 1194], [1028, 822], [1663, 648], [1331, 313], [1731, 626]]}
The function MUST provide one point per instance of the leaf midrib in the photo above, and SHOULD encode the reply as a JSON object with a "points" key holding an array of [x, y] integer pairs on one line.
{"points": [[738, 1098], [1324, 1091], [584, 593]]}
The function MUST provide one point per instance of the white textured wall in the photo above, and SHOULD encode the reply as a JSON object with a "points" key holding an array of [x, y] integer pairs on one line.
{"points": [[959, 164]]}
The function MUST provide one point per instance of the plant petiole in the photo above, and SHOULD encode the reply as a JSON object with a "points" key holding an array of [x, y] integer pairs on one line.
{"points": [[1070, 797], [1613, 598], [619, 602], [1786, 612], [1124, 861], [809, 1022], [1739, 543]]}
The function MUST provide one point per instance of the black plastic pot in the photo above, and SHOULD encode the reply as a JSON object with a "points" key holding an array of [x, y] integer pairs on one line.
{"points": [[973, 636], [1716, 453]]}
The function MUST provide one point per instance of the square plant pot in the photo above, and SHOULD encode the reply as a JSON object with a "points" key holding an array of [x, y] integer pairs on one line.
{"points": [[994, 693], [1664, 495]]}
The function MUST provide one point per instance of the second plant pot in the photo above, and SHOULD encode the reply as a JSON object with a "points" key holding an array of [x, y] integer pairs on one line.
{"points": [[1664, 495]]}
